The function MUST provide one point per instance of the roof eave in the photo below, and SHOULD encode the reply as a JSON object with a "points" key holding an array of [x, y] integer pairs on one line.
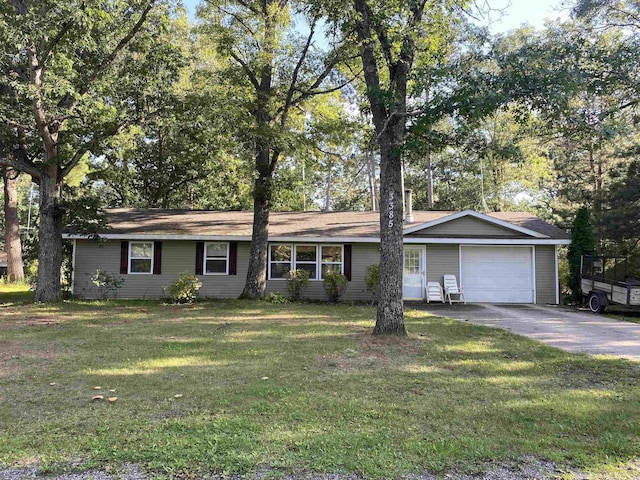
{"points": [[480, 216]]}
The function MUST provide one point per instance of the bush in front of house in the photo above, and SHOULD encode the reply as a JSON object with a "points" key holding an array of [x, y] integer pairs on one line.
{"points": [[335, 284], [185, 290], [372, 280], [277, 298], [106, 284], [297, 281]]}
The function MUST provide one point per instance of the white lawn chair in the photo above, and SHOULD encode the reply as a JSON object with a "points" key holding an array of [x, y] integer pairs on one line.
{"points": [[434, 292], [451, 288]]}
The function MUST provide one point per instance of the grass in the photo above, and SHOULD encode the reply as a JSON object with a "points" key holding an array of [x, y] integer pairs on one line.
{"points": [[233, 386], [12, 293], [627, 314]]}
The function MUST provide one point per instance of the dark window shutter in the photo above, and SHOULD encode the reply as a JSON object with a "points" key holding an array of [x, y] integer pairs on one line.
{"points": [[157, 258], [124, 257], [199, 257], [233, 258], [347, 262]]}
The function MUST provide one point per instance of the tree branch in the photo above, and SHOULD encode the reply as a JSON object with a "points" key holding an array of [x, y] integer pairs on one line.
{"points": [[252, 76], [18, 159], [296, 72], [68, 102], [238, 19]]}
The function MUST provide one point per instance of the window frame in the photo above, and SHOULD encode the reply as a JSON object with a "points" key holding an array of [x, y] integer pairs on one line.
{"points": [[321, 263], [205, 256], [130, 257], [293, 264], [270, 261]]}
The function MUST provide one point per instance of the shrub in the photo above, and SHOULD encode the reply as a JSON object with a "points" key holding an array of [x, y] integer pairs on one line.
{"points": [[106, 284], [582, 243], [185, 290], [296, 282], [276, 297], [372, 280], [335, 284]]}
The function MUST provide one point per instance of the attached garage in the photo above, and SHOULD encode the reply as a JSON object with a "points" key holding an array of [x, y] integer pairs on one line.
{"points": [[498, 274]]}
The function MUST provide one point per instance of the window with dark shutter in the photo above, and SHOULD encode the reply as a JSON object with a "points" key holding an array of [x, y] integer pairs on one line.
{"points": [[233, 258], [199, 257], [124, 257], [347, 262], [157, 258]]}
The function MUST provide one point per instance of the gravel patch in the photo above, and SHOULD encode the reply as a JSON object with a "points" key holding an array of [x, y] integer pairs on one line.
{"points": [[526, 468]]}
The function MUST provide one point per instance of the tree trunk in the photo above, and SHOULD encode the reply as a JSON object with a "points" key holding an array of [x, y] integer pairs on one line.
{"points": [[371, 171], [429, 181], [390, 314], [13, 245], [50, 238], [256, 281]]}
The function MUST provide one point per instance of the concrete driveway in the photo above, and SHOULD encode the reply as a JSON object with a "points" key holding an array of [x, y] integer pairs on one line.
{"points": [[556, 326]]}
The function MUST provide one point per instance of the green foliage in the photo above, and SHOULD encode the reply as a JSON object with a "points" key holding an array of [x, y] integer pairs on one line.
{"points": [[276, 297], [335, 285], [184, 290], [297, 281], [582, 243], [372, 280], [106, 284]]}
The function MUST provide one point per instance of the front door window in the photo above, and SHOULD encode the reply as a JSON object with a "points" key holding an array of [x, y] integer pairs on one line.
{"points": [[414, 273]]}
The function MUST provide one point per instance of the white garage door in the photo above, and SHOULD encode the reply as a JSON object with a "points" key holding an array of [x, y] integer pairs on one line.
{"points": [[497, 274]]}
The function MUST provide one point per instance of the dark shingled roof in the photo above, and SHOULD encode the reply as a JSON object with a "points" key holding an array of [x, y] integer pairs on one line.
{"points": [[284, 224]]}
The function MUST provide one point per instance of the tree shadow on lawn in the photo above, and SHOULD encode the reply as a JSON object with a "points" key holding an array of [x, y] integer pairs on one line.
{"points": [[316, 391]]}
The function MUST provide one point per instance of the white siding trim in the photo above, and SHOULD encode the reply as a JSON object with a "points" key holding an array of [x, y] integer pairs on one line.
{"points": [[557, 276], [460, 266], [533, 275], [73, 267], [487, 241], [302, 239], [478, 215]]}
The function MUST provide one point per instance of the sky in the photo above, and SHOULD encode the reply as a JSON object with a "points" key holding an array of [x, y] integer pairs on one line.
{"points": [[516, 13]]}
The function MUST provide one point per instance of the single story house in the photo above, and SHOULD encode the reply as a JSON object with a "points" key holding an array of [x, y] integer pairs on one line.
{"points": [[499, 257]]}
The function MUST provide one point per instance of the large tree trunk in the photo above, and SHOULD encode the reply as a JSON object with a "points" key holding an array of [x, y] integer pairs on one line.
{"points": [[13, 245], [390, 314], [50, 239], [256, 281]]}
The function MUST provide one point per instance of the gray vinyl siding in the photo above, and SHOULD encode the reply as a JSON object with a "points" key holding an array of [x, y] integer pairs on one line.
{"points": [[466, 227], [362, 255], [545, 274], [179, 256], [442, 260]]}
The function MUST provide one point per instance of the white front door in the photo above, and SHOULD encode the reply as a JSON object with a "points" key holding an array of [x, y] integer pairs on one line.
{"points": [[414, 273]]}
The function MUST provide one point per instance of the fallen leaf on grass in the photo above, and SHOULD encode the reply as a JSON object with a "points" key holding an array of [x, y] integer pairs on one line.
{"points": [[177, 395], [113, 399], [97, 397], [112, 391], [264, 378], [52, 384], [97, 388]]}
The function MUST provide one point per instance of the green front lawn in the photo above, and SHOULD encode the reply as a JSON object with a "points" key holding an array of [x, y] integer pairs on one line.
{"points": [[241, 386]]}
